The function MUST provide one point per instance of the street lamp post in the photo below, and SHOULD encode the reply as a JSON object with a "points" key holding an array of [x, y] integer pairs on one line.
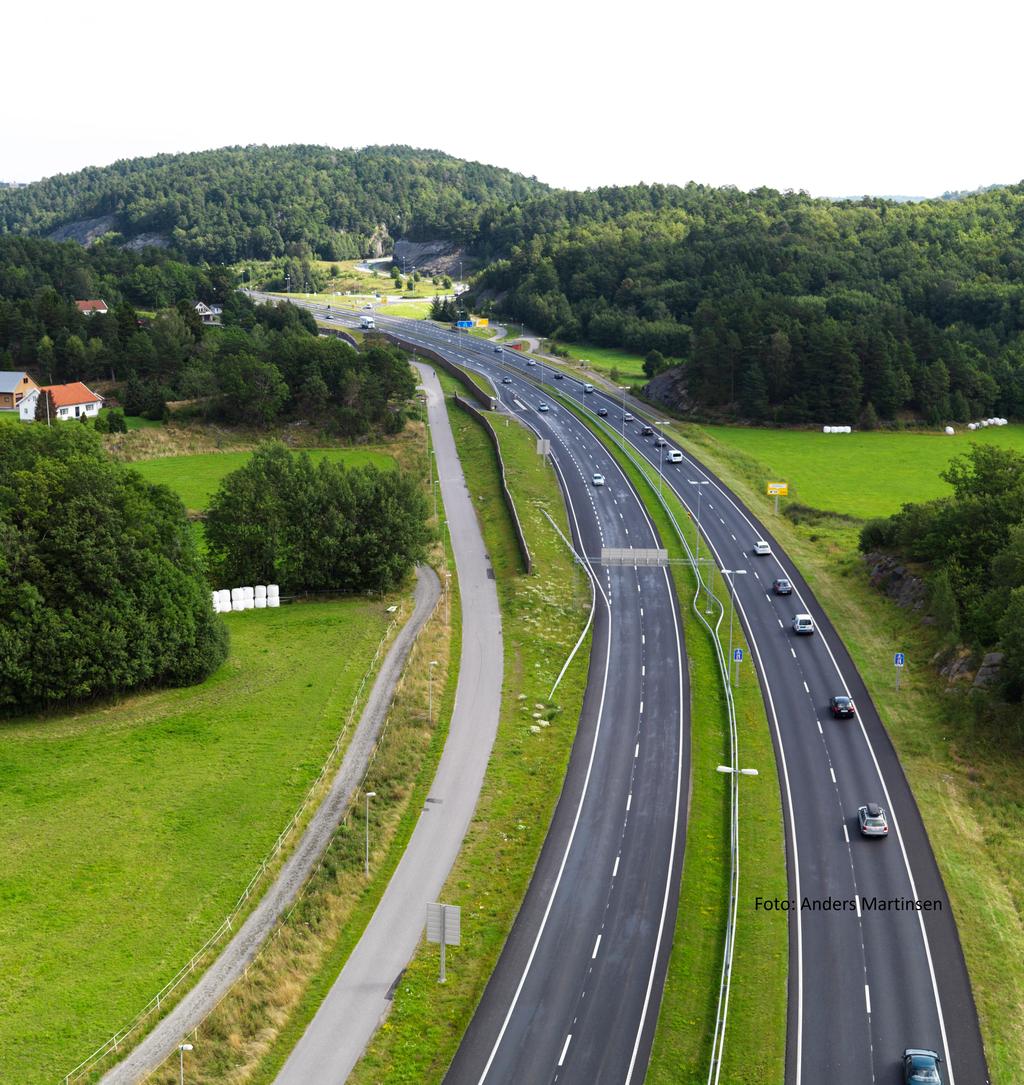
{"points": [[737, 772], [700, 484], [430, 692], [729, 574], [182, 1048], [622, 420], [661, 454], [369, 795]]}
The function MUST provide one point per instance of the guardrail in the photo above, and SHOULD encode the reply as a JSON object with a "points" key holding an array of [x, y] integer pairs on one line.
{"points": [[155, 1004]]}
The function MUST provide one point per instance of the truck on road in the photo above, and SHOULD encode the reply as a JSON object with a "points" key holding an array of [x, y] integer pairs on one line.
{"points": [[366, 322]]}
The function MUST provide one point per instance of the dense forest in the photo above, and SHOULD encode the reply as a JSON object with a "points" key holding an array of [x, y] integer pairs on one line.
{"points": [[265, 364], [971, 545], [255, 202], [781, 307]]}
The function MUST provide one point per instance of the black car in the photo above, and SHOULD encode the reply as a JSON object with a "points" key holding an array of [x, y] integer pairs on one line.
{"points": [[921, 1067], [782, 586], [506, 380], [842, 707], [647, 431], [559, 376], [602, 411]]}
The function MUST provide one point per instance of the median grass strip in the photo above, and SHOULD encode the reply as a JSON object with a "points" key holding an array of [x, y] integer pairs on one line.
{"points": [[966, 778], [130, 828], [542, 616], [755, 1043]]}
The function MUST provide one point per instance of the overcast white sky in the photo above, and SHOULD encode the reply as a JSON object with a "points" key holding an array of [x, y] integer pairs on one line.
{"points": [[900, 97]]}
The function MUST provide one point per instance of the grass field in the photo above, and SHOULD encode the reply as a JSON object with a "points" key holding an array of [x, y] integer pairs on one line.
{"points": [[967, 780], [195, 478], [860, 474], [605, 359], [128, 830], [542, 616]]}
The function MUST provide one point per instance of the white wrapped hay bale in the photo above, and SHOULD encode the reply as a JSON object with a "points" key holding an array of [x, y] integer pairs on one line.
{"points": [[272, 591], [260, 602], [261, 591], [826, 429], [273, 601], [950, 431]]}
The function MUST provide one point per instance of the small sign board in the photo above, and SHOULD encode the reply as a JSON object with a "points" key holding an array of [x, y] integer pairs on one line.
{"points": [[737, 655], [778, 489], [463, 323], [543, 446], [899, 659], [446, 918]]}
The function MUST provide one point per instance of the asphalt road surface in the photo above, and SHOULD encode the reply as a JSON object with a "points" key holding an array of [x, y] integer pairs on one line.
{"points": [[864, 983]]}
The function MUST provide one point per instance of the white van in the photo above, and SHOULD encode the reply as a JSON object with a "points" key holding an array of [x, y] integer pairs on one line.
{"points": [[674, 456], [588, 388]]}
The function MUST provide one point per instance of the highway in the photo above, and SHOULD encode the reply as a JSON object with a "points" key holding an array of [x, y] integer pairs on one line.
{"points": [[864, 983]]}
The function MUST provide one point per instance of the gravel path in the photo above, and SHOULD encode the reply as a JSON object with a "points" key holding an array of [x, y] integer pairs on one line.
{"points": [[243, 947]]}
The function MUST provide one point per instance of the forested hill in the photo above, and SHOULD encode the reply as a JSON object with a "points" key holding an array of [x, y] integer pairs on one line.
{"points": [[782, 307], [239, 202]]}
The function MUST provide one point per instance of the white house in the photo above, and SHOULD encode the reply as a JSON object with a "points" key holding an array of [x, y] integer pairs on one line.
{"points": [[73, 401], [208, 314], [27, 406]]}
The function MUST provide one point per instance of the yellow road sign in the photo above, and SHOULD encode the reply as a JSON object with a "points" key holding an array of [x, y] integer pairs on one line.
{"points": [[778, 489]]}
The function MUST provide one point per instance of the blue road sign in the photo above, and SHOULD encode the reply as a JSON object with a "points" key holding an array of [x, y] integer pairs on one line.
{"points": [[899, 659], [737, 655]]}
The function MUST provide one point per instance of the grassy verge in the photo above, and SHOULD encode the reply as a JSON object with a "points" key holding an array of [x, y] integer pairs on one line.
{"points": [[129, 829], [967, 781], [195, 478], [542, 617], [755, 1046], [605, 360]]}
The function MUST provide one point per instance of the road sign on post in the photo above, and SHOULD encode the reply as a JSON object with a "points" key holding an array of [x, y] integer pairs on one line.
{"points": [[898, 660], [444, 922], [777, 490], [737, 658]]}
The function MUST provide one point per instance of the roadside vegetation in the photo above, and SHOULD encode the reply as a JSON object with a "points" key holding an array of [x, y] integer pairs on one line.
{"points": [[542, 616], [965, 774], [130, 828]]}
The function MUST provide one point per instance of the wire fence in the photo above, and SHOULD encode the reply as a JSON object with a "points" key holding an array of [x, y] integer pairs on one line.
{"points": [[156, 1004]]}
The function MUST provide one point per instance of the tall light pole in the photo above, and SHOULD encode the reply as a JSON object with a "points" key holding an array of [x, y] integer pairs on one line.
{"points": [[729, 574], [736, 772], [661, 457], [430, 692], [369, 795], [430, 462], [700, 484], [622, 419], [182, 1048]]}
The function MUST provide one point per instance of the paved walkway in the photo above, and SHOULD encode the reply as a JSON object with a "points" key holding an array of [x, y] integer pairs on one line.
{"points": [[243, 947], [357, 1002]]}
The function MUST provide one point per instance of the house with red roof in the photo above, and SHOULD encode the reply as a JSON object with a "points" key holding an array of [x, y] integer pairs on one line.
{"points": [[90, 307], [72, 401]]}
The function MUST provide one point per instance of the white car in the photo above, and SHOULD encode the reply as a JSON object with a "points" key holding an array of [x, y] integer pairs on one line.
{"points": [[543, 407], [803, 623], [498, 350], [761, 547], [598, 479], [530, 361]]}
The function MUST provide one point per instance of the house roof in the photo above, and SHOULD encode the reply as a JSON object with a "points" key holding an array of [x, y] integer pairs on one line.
{"points": [[71, 395], [91, 306], [9, 380]]}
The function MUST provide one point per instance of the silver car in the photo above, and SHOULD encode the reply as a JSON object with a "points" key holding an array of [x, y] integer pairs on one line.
{"points": [[872, 820]]}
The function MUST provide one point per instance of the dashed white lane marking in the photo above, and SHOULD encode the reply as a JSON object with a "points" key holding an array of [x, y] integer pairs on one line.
{"points": [[820, 731], [597, 946], [867, 998], [733, 537], [636, 752], [629, 801], [641, 708], [846, 835], [757, 575], [832, 773], [643, 670], [793, 652], [615, 869], [565, 1048], [806, 690], [856, 901], [720, 520], [641, 612], [779, 620]]}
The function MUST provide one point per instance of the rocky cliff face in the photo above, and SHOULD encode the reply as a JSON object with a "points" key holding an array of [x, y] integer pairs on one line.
{"points": [[431, 257], [669, 390], [958, 665]]}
